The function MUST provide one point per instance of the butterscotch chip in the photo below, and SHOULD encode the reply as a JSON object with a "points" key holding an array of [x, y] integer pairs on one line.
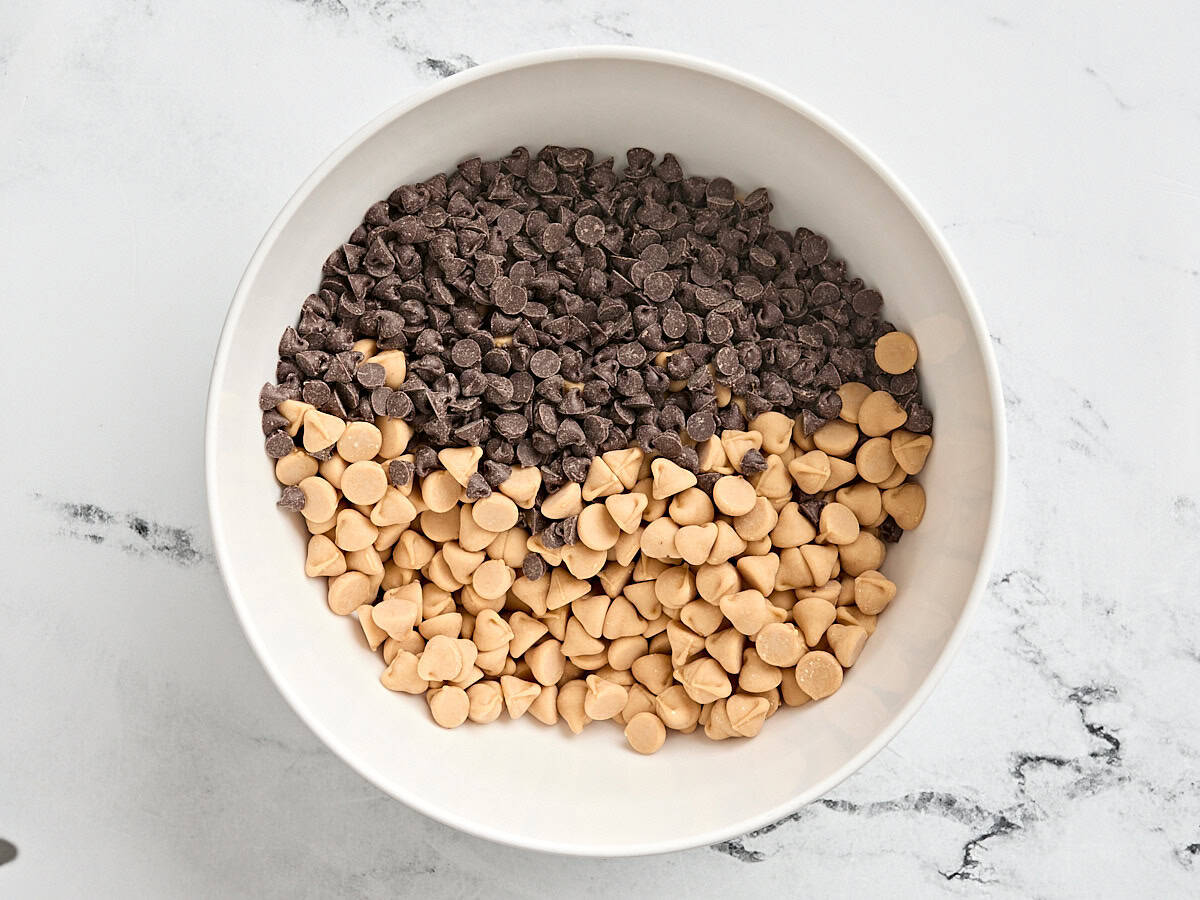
{"points": [[701, 617], [603, 699], [895, 352], [449, 705], [582, 561], [820, 561], [596, 527], [694, 543], [873, 592], [321, 430], [874, 460], [658, 540], [439, 491], [354, 531], [747, 714], [395, 367], [393, 508], [684, 642], [734, 495], [780, 644], [491, 632], [324, 558], [792, 529], [331, 470], [486, 702], [601, 481], [492, 579], [675, 587], [626, 510], [544, 708], [564, 588], [691, 507], [716, 581], [863, 499], [839, 525], [320, 499], [621, 619], [654, 671], [566, 501], [726, 647], [625, 464], [814, 615], [396, 434], [468, 653], [853, 393], [711, 455], [570, 704], [669, 479], [294, 411], [518, 695], [757, 523], [590, 613], [645, 733], [911, 450], [655, 509], [810, 471], [818, 674], [676, 709], [836, 437], [364, 482], [399, 612], [776, 431], [348, 591], [727, 545], [641, 595], [590, 662], [623, 652], [879, 414], [448, 624], [614, 576], [704, 680], [866, 552], [366, 561], [756, 675], [578, 642], [295, 467], [847, 642], [546, 661], [717, 726], [461, 462], [526, 631], [905, 504], [793, 570], [522, 485], [495, 513], [412, 551], [840, 472], [401, 674], [759, 572], [438, 571], [747, 611], [360, 441]]}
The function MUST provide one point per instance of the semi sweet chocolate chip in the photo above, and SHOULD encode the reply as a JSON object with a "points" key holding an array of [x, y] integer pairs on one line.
{"points": [[292, 498], [279, 444]]}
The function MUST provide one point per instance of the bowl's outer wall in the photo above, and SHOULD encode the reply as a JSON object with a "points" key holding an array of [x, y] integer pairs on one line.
{"points": [[521, 782]]}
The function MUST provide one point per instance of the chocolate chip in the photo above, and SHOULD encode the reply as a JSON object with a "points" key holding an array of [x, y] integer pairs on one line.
{"points": [[631, 355], [465, 354], [889, 531], [534, 567], [279, 444], [477, 488], [273, 421], [400, 472], [292, 498], [701, 426], [753, 461], [544, 363]]}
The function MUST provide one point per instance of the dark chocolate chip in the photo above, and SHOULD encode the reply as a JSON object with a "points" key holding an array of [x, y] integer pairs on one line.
{"points": [[279, 444], [292, 498]]}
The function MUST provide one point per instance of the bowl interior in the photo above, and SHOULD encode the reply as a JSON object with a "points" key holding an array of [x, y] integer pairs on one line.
{"points": [[521, 782]]}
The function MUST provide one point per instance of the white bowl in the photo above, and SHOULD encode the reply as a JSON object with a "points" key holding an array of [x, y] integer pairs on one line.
{"points": [[522, 783]]}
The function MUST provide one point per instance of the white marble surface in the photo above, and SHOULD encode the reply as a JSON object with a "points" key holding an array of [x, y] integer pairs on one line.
{"points": [[147, 145]]}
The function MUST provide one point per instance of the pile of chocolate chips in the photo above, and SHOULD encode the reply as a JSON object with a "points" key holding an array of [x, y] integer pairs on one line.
{"points": [[532, 296]]}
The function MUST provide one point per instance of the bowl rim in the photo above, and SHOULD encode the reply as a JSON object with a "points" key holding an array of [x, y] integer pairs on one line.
{"points": [[979, 333]]}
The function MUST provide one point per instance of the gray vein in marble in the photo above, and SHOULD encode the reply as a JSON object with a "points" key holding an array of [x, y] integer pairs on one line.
{"points": [[1107, 85], [444, 68], [129, 532]]}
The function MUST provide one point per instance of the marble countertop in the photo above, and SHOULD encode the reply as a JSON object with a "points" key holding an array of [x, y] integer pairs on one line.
{"points": [[147, 146]]}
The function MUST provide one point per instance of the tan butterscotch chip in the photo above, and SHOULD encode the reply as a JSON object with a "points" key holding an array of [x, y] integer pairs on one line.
{"points": [[331, 470], [399, 612], [590, 613], [728, 544], [395, 367], [758, 523], [793, 570], [461, 462], [668, 479], [441, 659], [862, 499], [294, 411], [596, 528], [518, 695], [780, 644], [578, 642], [691, 507], [747, 714], [737, 443], [566, 501], [759, 572], [747, 611], [393, 508], [701, 617], [704, 680], [874, 460], [324, 557], [582, 561], [546, 661], [601, 481], [412, 551], [773, 482], [626, 510], [360, 441], [853, 393], [396, 435], [836, 437], [440, 491], [491, 632], [894, 480], [495, 513], [676, 709], [734, 495], [544, 708], [873, 592], [295, 467], [522, 485], [694, 543], [320, 499], [675, 587], [655, 509], [792, 529], [810, 471], [820, 561], [905, 504], [623, 652], [401, 673], [570, 704], [486, 702], [641, 595], [726, 647], [526, 631], [621, 619], [879, 414], [716, 581], [564, 587], [492, 579], [847, 642], [658, 540], [776, 431], [468, 653], [757, 675], [839, 525], [625, 464], [364, 482], [818, 674], [895, 352], [645, 733], [654, 671], [684, 642], [614, 576], [604, 698], [711, 455], [354, 531], [471, 536], [911, 450], [321, 430], [366, 561], [814, 615], [348, 591], [866, 552], [449, 705]]}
